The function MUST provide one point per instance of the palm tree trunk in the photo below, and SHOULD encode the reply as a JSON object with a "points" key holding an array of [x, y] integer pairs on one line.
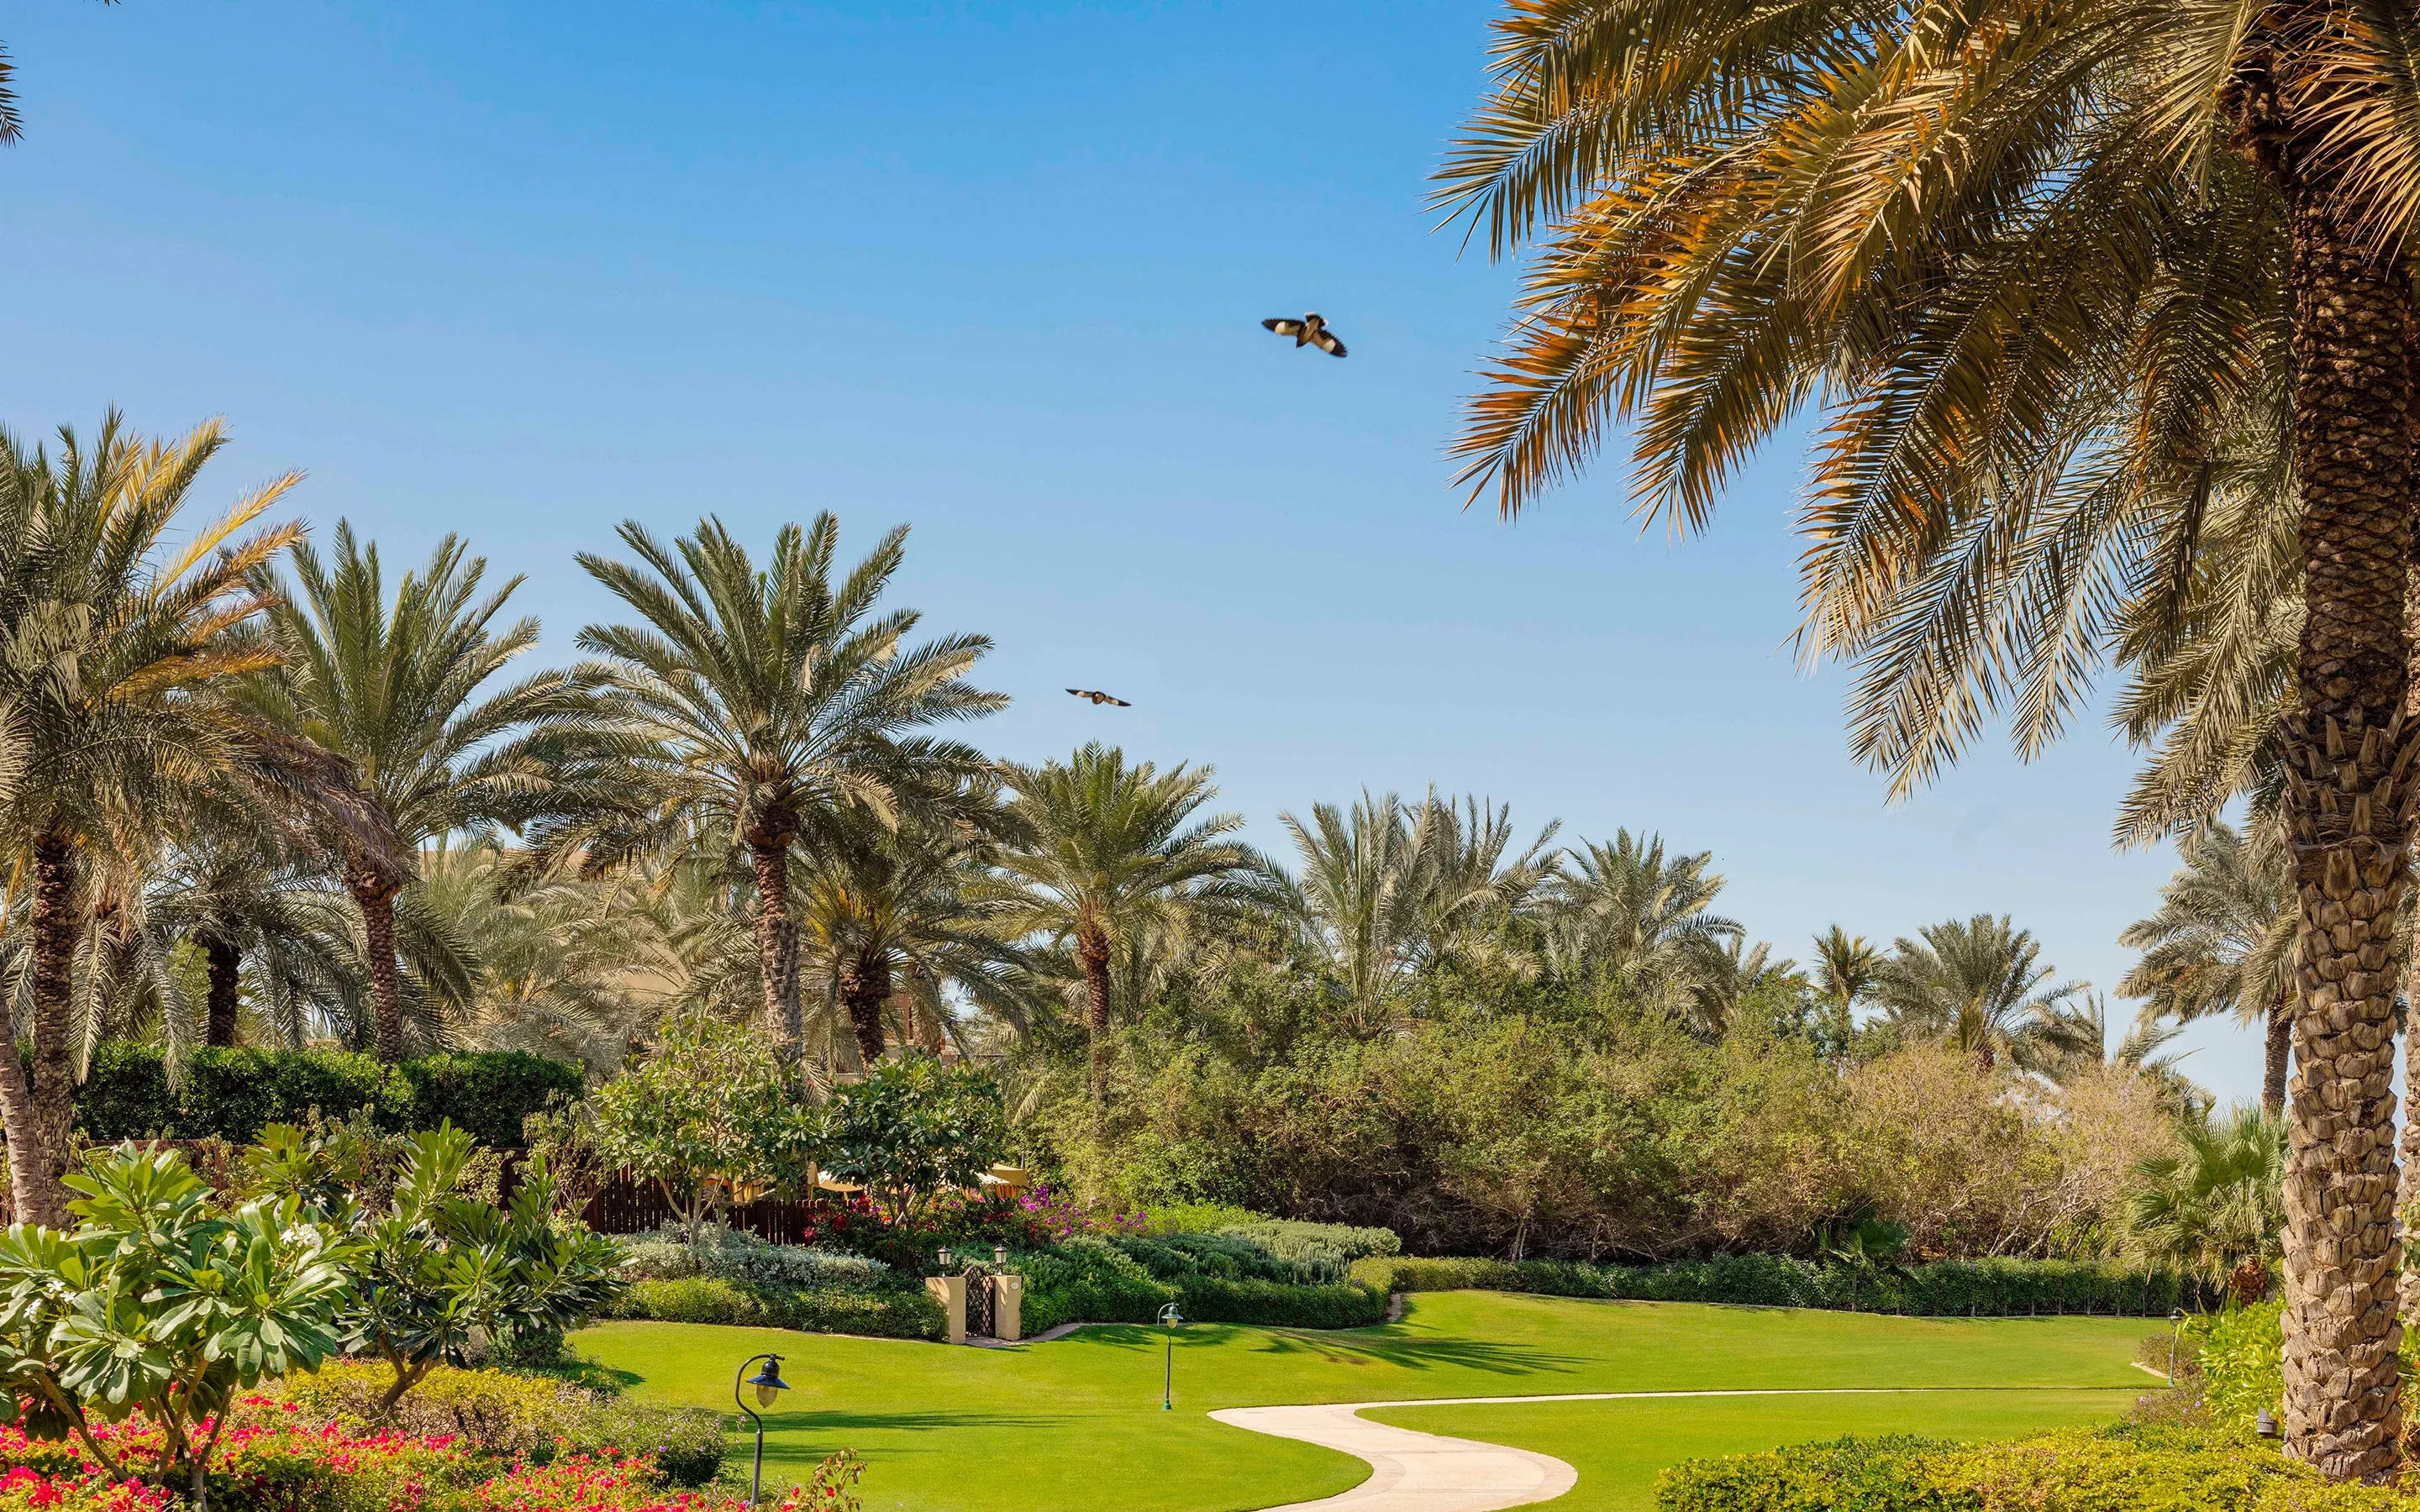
{"points": [[769, 850], [1093, 955], [223, 964], [37, 1110], [864, 988], [2346, 746], [375, 895], [2280, 1037]]}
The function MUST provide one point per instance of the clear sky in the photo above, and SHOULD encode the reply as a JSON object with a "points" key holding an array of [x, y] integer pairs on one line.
{"points": [[523, 271]]}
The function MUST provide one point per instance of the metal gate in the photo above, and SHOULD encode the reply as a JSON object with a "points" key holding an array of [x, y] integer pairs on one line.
{"points": [[980, 1308]]}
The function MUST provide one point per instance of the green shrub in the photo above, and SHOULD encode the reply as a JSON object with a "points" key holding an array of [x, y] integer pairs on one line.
{"points": [[1947, 1288], [1274, 1305], [487, 1094], [517, 1416], [736, 1255], [1198, 1218], [2131, 1468], [2241, 1353], [1087, 1280], [1212, 1279], [1335, 1245], [233, 1094], [896, 1313]]}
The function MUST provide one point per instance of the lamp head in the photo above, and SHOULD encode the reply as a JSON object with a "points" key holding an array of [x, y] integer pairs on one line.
{"points": [[1169, 1316], [999, 1255], [2176, 1316], [944, 1261], [768, 1380], [2266, 1423]]}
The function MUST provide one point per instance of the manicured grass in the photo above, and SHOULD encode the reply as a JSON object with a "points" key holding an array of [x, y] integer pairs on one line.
{"points": [[1076, 1424], [1619, 1446]]}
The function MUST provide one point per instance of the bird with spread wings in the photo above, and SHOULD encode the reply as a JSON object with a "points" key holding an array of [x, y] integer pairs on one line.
{"points": [[1311, 330], [1099, 698]]}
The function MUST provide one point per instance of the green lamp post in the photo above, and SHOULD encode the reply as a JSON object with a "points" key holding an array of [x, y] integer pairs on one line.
{"points": [[1169, 1319]]}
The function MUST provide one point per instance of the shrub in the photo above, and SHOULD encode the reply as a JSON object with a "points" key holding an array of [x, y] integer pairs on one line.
{"points": [[1127, 1280], [895, 1313], [1273, 1305], [233, 1094], [1946, 1289], [1087, 1280], [1199, 1217], [2132, 1468], [487, 1094], [736, 1255], [2241, 1353], [1322, 1245]]}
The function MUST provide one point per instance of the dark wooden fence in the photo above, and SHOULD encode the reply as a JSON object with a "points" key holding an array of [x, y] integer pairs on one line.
{"points": [[622, 1206]]}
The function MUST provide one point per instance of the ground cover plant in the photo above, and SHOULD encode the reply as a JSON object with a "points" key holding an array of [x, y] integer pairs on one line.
{"points": [[931, 1422]]}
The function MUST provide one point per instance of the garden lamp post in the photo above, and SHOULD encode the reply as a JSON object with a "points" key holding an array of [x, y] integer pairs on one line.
{"points": [[999, 1255], [768, 1384], [1170, 1318], [941, 1261], [2176, 1330]]}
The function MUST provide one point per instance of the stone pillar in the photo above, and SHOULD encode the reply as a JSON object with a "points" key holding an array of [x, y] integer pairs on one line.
{"points": [[1008, 1309], [951, 1292]]}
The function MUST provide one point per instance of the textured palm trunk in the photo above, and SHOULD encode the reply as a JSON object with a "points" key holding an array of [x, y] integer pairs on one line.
{"points": [[374, 894], [864, 988], [2348, 794], [2275, 1054], [768, 851], [38, 1107], [222, 964], [1092, 956]]}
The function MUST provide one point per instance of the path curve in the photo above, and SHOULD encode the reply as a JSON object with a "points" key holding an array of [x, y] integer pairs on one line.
{"points": [[1415, 1472]]}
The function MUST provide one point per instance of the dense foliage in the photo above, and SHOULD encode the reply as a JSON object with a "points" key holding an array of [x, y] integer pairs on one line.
{"points": [[232, 1094]]}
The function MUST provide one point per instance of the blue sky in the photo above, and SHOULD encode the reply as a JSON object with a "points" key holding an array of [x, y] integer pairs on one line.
{"points": [[521, 272]]}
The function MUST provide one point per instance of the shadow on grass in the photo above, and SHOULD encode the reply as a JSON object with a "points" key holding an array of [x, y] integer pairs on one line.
{"points": [[1425, 1354], [831, 1423]]}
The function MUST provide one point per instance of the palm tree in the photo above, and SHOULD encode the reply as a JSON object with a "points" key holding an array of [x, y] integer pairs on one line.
{"points": [[12, 126], [1112, 854], [904, 916], [399, 688], [2222, 942], [1847, 967], [1629, 911], [769, 705], [116, 652], [1977, 983], [549, 958], [1361, 891], [2042, 264], [246, 900], [2219, 1203]]}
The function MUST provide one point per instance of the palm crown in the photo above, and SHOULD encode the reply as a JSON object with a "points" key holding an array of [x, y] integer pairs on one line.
{"points": [[761, 705]]}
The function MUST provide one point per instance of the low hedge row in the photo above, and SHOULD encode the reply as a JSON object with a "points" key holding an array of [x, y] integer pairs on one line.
{"points": [[2131, 1468], [891, 1313], [1088, 1280], [232, 1094], [1989, 1288]]}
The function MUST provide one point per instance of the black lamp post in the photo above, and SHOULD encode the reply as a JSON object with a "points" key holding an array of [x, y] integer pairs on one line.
{"points": [[999, 1255], [1170, 1318], [2176, 1328], [768, 1384]]}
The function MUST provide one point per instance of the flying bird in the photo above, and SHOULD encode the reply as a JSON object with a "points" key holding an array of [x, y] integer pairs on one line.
{"points": [[1098, 697], [1311, 331]]}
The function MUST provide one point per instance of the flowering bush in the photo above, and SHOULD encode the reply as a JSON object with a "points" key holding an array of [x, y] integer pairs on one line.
{"points": [[272, 1459]]}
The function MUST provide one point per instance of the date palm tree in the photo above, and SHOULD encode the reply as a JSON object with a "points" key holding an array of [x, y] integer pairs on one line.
{"points": [[1978, 983], [2221, 941], [118, 647], [1111, 853], [904, 916], [2041, 263], [1847, 967], [767, 706], [1631, 911], [403, 687]]}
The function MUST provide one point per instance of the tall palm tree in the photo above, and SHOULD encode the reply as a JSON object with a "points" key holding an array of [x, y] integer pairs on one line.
{"points": [[1847, 967], [550, 958], [768, 706], [2223, 941], [400, 686], [1111, 853], [247, 902], [903, 916], [1629, 910], [117, 647], [1977, 983], [2041, 262]]}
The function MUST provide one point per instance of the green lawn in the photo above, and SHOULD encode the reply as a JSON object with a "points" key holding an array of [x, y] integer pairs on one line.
{"points": [[1619, 1446], [1076, 1424]]}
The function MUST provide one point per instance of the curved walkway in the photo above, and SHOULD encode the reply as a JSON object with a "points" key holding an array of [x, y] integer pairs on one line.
{"points": [[1415, 1472]]}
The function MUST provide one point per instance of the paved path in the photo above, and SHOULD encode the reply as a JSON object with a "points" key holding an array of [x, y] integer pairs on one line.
{"points": [[1413, 1472]]}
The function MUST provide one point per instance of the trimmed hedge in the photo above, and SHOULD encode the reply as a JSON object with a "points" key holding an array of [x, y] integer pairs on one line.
{"points": [[887, 1313], [232, 1094], [1088, 1280], [1945, 1289], [2131, 1468]]}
